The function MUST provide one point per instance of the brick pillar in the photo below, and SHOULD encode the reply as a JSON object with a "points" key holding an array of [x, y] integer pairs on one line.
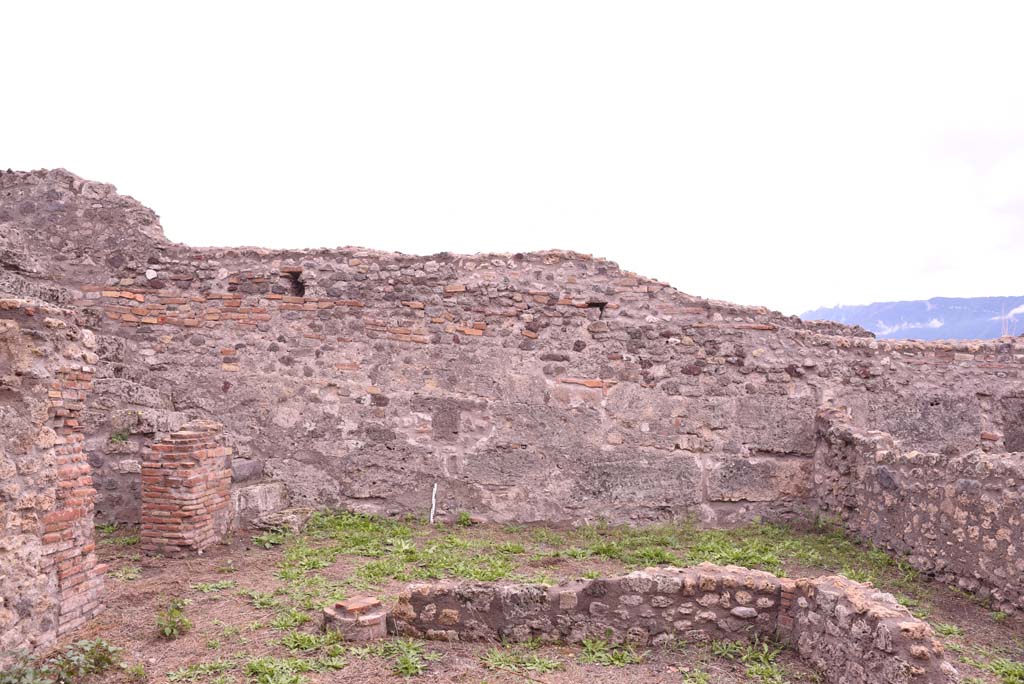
{"points": [[186, 490], [69, 546]]}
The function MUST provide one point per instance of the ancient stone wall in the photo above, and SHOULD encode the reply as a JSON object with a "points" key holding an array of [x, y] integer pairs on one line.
{"points": [[550, 386], [851, 632], [546, 386], [186, 491], [50, 581], [958, 517]]}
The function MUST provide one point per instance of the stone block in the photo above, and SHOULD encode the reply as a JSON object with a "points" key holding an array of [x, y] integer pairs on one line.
{"points": [[760, 479], [255, 501]]}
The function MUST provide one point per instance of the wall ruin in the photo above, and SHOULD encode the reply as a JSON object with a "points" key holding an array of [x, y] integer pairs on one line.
{"points": [[550, 386], [959, 518], [546, 386], [50, 581], [849, 631]]}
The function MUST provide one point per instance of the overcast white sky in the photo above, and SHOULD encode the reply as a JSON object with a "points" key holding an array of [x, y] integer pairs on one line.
{"points": [[791, 154]]}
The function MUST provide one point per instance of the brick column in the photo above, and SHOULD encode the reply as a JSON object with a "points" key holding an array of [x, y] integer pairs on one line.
{"points": [[186, 490], [68, 542]]}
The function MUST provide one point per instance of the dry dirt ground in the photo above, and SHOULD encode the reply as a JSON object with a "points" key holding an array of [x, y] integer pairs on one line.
{"points": [[253, 604]]}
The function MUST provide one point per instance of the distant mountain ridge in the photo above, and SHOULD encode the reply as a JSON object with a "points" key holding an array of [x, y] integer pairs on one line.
{"points": [[939, 318]]}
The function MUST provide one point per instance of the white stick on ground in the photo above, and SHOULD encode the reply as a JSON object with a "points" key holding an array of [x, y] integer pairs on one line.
{"points": [[433, 503]]}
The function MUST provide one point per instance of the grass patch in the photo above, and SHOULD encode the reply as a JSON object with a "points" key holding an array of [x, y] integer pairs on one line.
{"points": [[356, 533], [631, 546], [289, 618], [269, 670], [261, 599], [127, 573], [306, 642], [696, 676], [759, 658], [600, 652], [311, 592], [405, 552], [127, 540], [379, 571], [515, 661], [107, 529], [947, 630], [269, 540], [395, 553], [210, 587], [408, 657], [1008, 671], [200, 671]]}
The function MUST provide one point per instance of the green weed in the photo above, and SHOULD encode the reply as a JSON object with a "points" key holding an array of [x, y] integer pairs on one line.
{"points": [[269, 670], [858, 574], [304, 641], [210, 587], [289, 618], [696, 677], [172, 622], [107, 528], [270, 539], [600, 652], [127, 540], [947, 629], [759, 658], [200, 671], [260, 599], [136, 673], [513, 661], [408, 656], [81, 659], [1008, 671], [127, 573]]}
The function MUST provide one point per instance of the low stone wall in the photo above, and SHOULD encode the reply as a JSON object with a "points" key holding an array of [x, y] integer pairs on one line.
{"points": [[854, 634], [186, 491], [957, 517], [653, 607], [50, 580], [851, 632]]}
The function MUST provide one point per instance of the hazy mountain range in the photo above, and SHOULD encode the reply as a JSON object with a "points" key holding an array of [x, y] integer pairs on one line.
{"points": [[940, 318]]}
